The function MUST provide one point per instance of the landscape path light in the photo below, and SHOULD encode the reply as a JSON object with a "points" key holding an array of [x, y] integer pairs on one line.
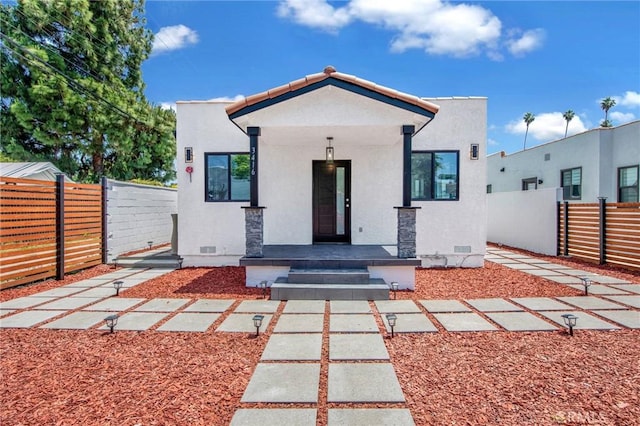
{"points": [[263, 286], [118, 285], [111, 321], [257, 323], [586, 282], [391, 319], [570, 321], [150, 244], [394, 287]]}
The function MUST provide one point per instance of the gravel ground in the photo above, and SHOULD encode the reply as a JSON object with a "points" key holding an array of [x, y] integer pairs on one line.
{"points": [[148, 378]]}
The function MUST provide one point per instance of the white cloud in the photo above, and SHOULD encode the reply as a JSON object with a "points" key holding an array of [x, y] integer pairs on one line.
{"points": [[547, 126], [173, 38], [525, 43], [630, 99], [435, 26], [621, 117], [315, 14], [492, 142], [235, 98], [168, 105]]}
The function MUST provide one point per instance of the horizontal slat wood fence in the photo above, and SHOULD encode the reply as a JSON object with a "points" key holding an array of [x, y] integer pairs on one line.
{"points": [[600, 232], [48, 229]]}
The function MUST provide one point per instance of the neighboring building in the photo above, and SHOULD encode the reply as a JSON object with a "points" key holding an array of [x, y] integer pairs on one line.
{"points": [[602, 162], [332, 158], [37, 171]]}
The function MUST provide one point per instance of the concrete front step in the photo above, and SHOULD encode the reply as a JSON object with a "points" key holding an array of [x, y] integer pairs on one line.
{"points": [[329, 276], [298, 291]]}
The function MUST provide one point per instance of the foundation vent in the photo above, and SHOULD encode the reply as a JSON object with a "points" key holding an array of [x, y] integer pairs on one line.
{"points": [[462, 249], [207, 249]]}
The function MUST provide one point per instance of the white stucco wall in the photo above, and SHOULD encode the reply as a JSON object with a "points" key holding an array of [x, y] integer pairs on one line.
{"points": [[211, 232], [524, 219], [455, 229], [138, 214], [600, 152]]}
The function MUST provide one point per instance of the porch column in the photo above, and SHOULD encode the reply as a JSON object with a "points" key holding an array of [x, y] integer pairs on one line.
{"points": [[253, 224], [407, 232], [253, 133], [407, 132]]}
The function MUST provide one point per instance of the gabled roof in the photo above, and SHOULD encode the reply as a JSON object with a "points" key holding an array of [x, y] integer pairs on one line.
{"points": [[39, 171], [330, 76]]}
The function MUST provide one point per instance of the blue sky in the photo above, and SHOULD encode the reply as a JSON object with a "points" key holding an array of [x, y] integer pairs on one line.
{"points": [[524, 56]]}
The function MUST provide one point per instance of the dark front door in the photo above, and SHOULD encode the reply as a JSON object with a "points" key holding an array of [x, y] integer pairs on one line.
{"points": [[332, 202]]}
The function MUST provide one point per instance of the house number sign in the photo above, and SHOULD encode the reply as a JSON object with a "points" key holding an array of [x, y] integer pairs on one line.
{"points": [[253, 161]]}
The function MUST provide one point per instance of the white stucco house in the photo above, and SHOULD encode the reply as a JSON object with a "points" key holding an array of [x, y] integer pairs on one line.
{"points": [[332, 171], [601, 162]]}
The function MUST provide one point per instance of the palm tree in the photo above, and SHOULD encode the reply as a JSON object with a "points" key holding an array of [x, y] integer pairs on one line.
{"points": [[568, 116], [606, 104], [528, 119]]}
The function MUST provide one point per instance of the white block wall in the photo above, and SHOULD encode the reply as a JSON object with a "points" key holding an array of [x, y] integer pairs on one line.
{"points": [[524, 219], [138, 214]]}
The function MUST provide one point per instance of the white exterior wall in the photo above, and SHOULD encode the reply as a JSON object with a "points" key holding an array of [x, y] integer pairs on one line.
{"points": [[138, 214], [525, 219], [453, 233], [208, 233], [600, 152], [285, 186]]}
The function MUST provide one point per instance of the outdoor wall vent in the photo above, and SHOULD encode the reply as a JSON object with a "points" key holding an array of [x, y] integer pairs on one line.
{"points": [[188, 155], [474, 152], [207, 249], [462, 249], [547, 157]]}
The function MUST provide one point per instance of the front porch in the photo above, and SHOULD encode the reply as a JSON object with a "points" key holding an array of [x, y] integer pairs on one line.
{"points": [[327, 271]]}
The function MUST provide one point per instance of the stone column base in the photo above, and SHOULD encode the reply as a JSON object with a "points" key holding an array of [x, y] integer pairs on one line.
{"points": [[406, 232], [253, 224]]}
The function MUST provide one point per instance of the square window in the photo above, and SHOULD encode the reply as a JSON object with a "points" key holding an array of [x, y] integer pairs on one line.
{"points": [[227, 177], [434, 175], [628, 184], [571, 183]]}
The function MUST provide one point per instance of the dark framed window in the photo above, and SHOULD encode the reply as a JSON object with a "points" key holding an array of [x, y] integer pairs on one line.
{"points": [[529, 184], [489, 189], [628, 184], [571, 180], [435, 175], [227, 177]]}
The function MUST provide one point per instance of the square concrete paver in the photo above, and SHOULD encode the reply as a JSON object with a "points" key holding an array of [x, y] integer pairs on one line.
{"points": [[590, 302], [541, 304], [603, 279], [444, 306], [190, 321], [543, 272], [90, 283], [352, 347], [97, 292], [599, 289], [363, 383], [584, 322], [369, 416], [464, 322], [352, 323], [520, 266], [68, 303], [242, 323], [631, 288], [630, 300], [299, 323], [629, 319], [209, 305], [555, 266], [137, 321], [77, 321], [564, 279], [503, 260], [114, 304], [162, 305], [293, 347], [258, 306], [58, 292], [410, 323], [274, 417], [397, 306], [25, 302], [286, 383], [304, 307], [520, 321], [493, 305], [349, 307], [27, 319], [4, 312]]}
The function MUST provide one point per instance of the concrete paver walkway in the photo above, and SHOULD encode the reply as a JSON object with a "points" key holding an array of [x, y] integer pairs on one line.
{"points": [[357, 362]]}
